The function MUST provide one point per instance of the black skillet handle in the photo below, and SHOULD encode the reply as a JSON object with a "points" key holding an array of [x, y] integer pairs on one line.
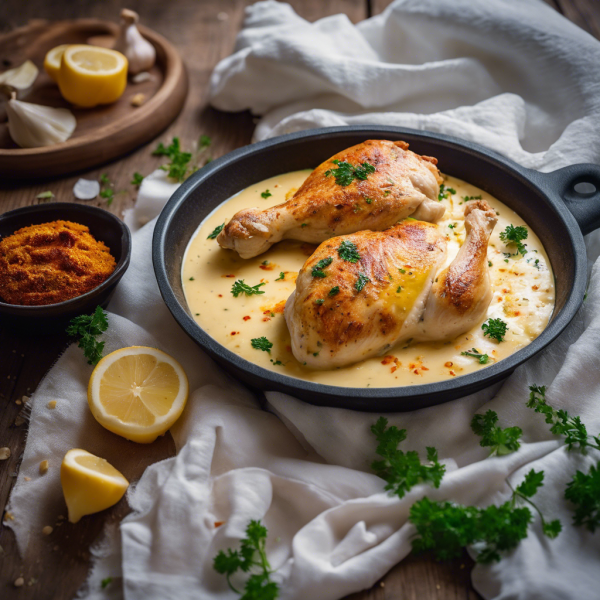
{"points": [[583, 202]]}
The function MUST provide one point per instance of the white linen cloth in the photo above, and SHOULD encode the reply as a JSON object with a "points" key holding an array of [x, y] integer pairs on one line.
{"points": [[512, 75]]}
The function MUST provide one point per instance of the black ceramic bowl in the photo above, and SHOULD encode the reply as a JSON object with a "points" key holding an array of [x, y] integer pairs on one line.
{"points": [[548, 202], [104, 226]]}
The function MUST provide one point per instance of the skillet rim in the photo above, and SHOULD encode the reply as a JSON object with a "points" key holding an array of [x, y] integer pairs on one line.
{"points": [[385, 397]]}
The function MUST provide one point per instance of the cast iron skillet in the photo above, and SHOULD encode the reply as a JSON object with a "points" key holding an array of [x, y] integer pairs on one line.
{"points": [[547, 201]]}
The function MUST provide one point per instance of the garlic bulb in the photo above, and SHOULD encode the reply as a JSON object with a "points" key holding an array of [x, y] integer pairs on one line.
{"points": [[139, 52], [33, 125], [21, 77]]}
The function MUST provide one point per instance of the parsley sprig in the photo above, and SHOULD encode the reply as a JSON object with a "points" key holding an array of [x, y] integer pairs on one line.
{"points": [[402, 470], [446, 527], [346, 173], [584, 489], [495, 329], [501, 441], [87, 328], [482, 359], [215, 232], [239, 287], [361, 282], [182, 164], [251, 555], [515, 235], [348, 251], [261, 343]]}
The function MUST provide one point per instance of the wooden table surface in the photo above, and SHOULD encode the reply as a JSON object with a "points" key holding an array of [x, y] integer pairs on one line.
{"points": [[204, 32]]}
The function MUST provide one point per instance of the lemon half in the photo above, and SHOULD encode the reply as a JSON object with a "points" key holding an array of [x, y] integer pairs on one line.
{"points": [[52, 61], [90, 483], [91, 75], [138, 393]]}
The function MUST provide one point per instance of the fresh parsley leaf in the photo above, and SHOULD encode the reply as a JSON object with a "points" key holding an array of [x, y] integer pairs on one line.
{"points": [[584, 492], [345, 173], [281, 276], [334, 291], [215, 232], [467, 198], [402, 470], [252, 555], [261, 343], [452, 225], [515, 235], [106, 582], [276, 362], [348, 251], [368, 200], [483, 359], [398, 289], [317, 270], [45, 195], [495, 329], [87, 328], [137, 179], [239, 287], [445, 192], [304, 225], [319, 302], [104, 179], [571, 428], [403, 271], [109, 194], [204, 142], [179, 166], [501, 441], [266, 194], [361, 282], [489, 263]]}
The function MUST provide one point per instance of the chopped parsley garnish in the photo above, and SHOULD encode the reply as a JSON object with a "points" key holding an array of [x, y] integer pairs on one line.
{"points": [[348, 251], [345, 173], [191, 279], [334, 291], [452, 225], [368, 200], [495, 329], [501, 441], [467, 198], [215, 232], [387, 193], [489, 263], [45, 195], [281, 276], [584, 492], [402, 470], [87, 328], [252, 556], [515, 235], [239, 287], [261, 343], [319, 302], [266, 194], [204, 142], [482, 358], [108, 189], [317, 270], [403, 271], [137, 179], [445, 192], [361, 282], [304, 225], [106, 582], [277, 362], [399, 289]]}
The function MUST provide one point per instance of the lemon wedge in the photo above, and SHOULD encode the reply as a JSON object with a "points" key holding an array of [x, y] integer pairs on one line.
{"points": [[90, 75], [52, 61], [90, 483], [138, 393]]}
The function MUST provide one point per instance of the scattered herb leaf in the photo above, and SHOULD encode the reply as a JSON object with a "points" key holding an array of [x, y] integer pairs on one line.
{"points": [[87, 328], [215, 232], [482, 358], [281, 276], [445, 192], [515, 235], [317, 270], [239, 287], [348, 251], [45, 195], [361, 282], [495, 329], [137, 179], [501, 441], [334, 291], [261, 343], [345, 173], [266, 194]]}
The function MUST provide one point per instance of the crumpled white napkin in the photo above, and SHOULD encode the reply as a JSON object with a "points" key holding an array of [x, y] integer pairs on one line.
{"points": [[332, 530]]}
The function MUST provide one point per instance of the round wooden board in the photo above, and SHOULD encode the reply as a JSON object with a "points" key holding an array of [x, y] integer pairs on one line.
{"points": [[105, 132]]}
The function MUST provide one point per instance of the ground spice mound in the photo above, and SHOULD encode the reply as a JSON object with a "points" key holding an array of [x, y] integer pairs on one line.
{"points": [[51, 262]]}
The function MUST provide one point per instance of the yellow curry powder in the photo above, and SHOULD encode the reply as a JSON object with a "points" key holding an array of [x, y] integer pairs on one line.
{"points": [[51, 262]]}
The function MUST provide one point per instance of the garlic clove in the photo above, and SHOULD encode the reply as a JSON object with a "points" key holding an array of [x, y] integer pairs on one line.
{"points": [[21, 77], [139, 51], [86, 189], [32, 125]]}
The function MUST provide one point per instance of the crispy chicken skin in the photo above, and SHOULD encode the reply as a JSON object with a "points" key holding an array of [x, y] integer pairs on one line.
{"points": [[403, 184], [341, 318]]}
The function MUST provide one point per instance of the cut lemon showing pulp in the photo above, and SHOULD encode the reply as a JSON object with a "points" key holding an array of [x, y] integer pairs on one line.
{"points": [[52, 61], [90, 75], [138, 393], [90, 483]]}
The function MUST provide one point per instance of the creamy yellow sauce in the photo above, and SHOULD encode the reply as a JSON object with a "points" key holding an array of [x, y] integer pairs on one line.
{"points": [[523, 295]]}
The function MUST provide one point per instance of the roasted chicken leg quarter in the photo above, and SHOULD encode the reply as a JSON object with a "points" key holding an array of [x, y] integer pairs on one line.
{"points": [[369, 186], [359, 295]]}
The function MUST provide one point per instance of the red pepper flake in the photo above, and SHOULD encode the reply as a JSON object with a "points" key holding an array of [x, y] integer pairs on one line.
{"points": [[220, 295], [453, 373], [424, 369], [387, 359], [235, 332], [535, 287], [232, 275], [266, 319], [416, 371], [449, 364], [247, 318], [268, 267], [288, 348]]}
